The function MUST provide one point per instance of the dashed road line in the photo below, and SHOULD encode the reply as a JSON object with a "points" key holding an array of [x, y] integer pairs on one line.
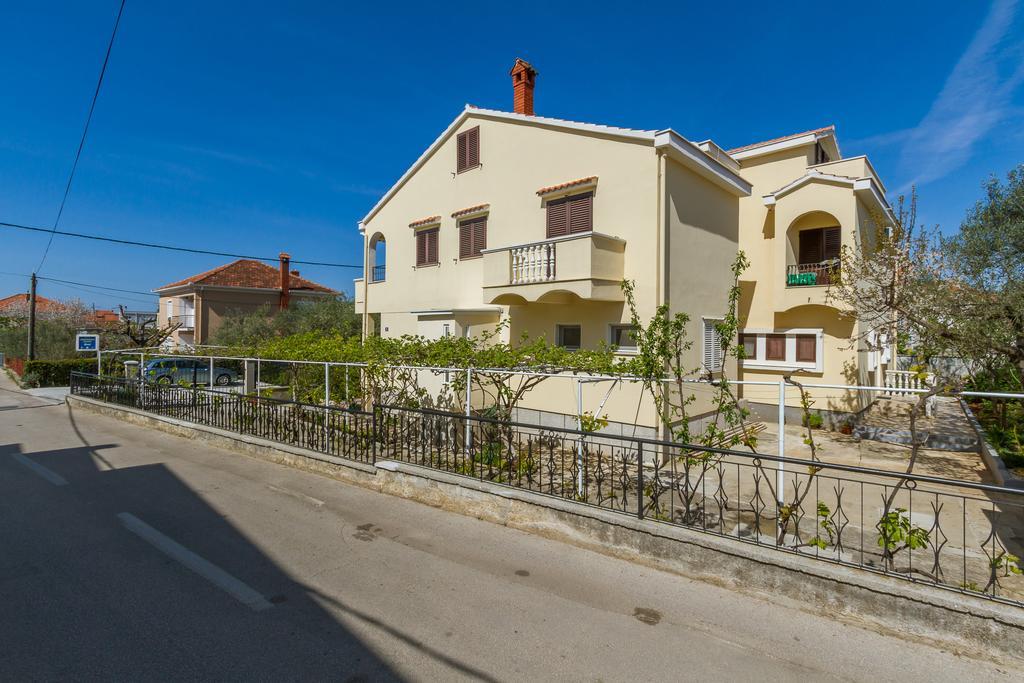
{"points": [[206, 569], [46, 473]]}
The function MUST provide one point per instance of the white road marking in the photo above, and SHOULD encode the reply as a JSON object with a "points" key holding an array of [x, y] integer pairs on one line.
{"points": [[295, 494], [209, 571], [47, 474]]}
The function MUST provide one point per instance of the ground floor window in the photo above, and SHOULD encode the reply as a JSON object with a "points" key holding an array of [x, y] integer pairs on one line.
{"points": [[623, 337], [712, 345], [783, 349], [569, 336]]}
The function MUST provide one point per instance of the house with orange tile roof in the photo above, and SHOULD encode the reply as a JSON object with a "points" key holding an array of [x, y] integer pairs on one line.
{"points": [[17, 305], [537, 220], [199, 303]]}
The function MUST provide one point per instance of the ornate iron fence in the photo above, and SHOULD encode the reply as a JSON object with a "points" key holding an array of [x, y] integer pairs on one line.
{"points": [[343, 433], [956, 535]]}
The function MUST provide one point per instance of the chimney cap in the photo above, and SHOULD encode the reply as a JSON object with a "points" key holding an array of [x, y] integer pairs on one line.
{"points": [[522, 65], [284, 255]]}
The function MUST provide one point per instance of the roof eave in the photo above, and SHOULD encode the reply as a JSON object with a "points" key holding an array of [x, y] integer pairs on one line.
{"points": [[694, 158]]}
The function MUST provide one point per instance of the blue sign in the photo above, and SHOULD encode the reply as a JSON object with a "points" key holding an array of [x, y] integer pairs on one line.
{"points": [[87, 342]]}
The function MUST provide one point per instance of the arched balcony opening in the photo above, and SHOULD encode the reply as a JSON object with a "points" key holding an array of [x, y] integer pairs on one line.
{"points": [[378, 258], [813, 244]]}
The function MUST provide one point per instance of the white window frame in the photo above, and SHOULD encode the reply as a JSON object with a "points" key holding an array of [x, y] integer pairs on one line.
{"points": [[624, 350], [707, 324], [558, 335], [790, 363]]}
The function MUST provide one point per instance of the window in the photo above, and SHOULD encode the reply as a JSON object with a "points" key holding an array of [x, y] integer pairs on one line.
{"points": [[426, 247], [712, 346], [775, 347], [623, 338], [570, 215], [568, 336], [378, 258], [749, 342], [472, 237], [806, 348], [818, 245], [468, 150], [170, 309]]}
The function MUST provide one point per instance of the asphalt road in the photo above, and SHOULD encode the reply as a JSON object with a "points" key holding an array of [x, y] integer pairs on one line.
{"points": [[127, 553]]}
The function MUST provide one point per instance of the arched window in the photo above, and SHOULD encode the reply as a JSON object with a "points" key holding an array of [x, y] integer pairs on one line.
{"points": [[378, 258]]}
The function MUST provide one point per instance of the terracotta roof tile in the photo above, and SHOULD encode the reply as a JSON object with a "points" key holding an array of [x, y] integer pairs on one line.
{"points": [[781, 139], [471, 209], [429, 220], [247, 273], [42, 303], [571, 183]]}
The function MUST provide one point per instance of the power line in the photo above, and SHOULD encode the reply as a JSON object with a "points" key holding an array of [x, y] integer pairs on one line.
{"points": [[168, 247], [85, 132], [90, 285]]}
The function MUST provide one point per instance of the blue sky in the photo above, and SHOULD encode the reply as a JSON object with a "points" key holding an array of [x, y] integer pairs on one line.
{"points": [[259, 127]]}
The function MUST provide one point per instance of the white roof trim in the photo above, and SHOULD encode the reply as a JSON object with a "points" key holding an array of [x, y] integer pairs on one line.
{"points": [[859, 156], [694, 158], [781, 145], [861, 186], [459, 311], [471, 112]]}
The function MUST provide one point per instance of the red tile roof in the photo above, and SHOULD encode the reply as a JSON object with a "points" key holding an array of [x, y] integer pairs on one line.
{"points": [[826, 129], [429, 220], [571, 183], [42, 303], [247, 273], [471, 209]]}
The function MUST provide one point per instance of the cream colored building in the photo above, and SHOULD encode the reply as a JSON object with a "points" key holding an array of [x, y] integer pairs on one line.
{"points": [[509, 215]]}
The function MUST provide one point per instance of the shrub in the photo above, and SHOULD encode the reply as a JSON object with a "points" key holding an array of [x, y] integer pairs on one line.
{"points": [[814, 420], [55, 373]]}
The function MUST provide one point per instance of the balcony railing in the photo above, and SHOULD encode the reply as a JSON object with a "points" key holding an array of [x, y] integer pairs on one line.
{"points": [[532, 263], [812, 274], [377, 273], [186, 321]]}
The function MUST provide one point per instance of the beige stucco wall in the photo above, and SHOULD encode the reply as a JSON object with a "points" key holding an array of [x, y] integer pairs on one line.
{"points": [[213, 305]]}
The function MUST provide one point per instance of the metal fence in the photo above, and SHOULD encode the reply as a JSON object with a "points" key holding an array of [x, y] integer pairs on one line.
{"points": [[956, 535]]}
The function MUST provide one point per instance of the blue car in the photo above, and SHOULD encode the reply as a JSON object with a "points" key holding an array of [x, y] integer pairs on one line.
{"points": [[188, 371]]}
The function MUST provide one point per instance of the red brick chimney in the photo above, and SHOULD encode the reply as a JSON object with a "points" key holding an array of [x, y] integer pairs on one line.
{"points": [[523, 76], [285, 279]]}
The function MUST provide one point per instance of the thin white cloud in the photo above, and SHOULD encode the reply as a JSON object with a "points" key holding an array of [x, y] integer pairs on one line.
{"points": [[976, 97]]}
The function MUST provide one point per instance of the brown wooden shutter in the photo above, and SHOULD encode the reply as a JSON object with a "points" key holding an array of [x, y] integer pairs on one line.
{"points": [[461, 153], [775, 347], [421, 248], [832, 244], [806, 348], [810, 246], [432, 245], [558, 217], [473, 147], [581, 213], [465, 239], [480, 235]]}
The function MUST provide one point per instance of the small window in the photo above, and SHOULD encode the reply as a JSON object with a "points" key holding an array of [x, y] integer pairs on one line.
{"points": [[570, 215], [623, 337], [468, 150], [749, 342], [426, 247], [806, 348], [712, 346], [568, 336], [775, 347], [472, 237]]}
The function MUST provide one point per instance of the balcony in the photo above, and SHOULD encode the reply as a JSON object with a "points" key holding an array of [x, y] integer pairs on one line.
{"points": [[588, 266], [377, 273], [185, 321], [813, 274]]}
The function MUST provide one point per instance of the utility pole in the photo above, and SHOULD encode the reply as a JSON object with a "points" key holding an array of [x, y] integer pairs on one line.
{"points": [[32, 319]]}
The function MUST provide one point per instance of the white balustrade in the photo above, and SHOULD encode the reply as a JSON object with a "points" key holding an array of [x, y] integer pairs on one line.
{"points": [[532, 263], [898, 381]]}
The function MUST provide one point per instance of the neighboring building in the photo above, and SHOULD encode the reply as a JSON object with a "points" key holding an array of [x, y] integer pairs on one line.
{"points": [[197, 304], [16, 305], [139, 317], [538, 220]]}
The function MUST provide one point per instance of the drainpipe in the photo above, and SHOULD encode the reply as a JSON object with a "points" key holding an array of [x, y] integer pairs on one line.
{"points": [[661, 261], [366, 288], [285, 279]]}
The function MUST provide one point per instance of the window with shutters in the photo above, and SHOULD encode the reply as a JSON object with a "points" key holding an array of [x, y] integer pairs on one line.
{"points": [[806, 348], [712, 345], [467, 150], [749, 342], [775, 347], [570, 215], [818, 245], [426, 247], [820, 155], [472, 236]]}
